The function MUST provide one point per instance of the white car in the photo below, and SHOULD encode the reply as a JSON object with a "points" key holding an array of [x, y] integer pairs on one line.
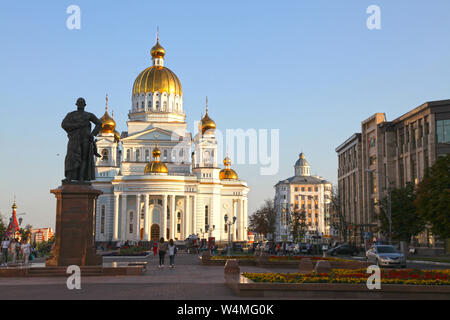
{"points": [[386, 256]]}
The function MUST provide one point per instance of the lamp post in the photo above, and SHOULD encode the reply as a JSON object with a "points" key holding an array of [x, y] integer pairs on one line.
{"points": [[229, 224], [389, 204]]}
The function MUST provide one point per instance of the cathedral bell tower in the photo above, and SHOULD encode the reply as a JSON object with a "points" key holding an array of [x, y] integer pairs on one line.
{"points": [[108, 147], [204, 158]]}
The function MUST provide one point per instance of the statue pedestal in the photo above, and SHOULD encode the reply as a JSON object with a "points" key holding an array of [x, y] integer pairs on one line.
{"points": [[75, 221]]}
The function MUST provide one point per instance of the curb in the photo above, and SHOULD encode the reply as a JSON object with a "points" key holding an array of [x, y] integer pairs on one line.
{"points": [[429, 262]]}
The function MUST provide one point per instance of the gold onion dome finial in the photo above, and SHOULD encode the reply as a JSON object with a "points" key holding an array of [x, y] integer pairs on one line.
{"points": [[108, 123], [157, 51], [207, 122], [156, 166], [228, 173]]}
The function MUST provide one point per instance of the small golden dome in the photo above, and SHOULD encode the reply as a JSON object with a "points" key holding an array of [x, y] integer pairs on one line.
{"points": [[158, 51], [108, 123], [155, 167], [14, 206], [207, 122], [228, 174]]}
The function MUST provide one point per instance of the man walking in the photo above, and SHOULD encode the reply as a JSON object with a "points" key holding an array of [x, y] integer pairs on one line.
{"points": [[26, 250], [5, 246]]}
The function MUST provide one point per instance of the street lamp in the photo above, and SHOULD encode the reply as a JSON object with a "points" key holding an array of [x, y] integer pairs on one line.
{"points": [[389, 208], [229, 224]]}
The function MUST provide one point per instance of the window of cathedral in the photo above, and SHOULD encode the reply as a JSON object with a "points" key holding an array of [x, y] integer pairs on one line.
{"points": [[157, 105], [131, 221], [165, 154], [226, 228], [165, 105], [147, 155], [178, 228], [128, 155], [178, 215], [104, 155], [138, 155], [206, 216]]}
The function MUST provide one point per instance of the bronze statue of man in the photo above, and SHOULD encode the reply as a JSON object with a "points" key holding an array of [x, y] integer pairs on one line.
{"points": [[81, 148]]}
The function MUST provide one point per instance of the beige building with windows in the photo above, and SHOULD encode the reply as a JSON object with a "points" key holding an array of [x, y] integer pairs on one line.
{"points": [[388, 153], [305, 192]]}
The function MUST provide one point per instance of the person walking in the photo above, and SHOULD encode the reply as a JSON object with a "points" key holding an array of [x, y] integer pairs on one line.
{"points": [[172, 252], [155, 248], [5, 246], [162, 247], [13, 248], [26, 250]]}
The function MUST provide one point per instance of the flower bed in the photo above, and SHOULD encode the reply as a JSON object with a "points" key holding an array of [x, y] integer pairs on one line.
{"points": [[298, 258], [408, 277], [232, 257]]}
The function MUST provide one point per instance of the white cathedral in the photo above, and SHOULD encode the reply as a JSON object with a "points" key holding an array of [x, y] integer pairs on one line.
{"points": [[153, 184]]}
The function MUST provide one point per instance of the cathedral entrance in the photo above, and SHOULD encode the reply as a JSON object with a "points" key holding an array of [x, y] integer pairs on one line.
{"points": [[154, 232]]}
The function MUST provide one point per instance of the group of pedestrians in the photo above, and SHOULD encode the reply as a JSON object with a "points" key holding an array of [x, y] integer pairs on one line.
{"points": [[11, 248], [164, 247]]}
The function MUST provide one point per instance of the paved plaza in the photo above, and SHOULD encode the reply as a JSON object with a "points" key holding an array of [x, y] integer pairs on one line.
{"points": [[187, 281]]}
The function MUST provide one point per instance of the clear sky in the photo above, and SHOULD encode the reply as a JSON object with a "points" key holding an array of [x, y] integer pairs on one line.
{"points": [[310, 68]]}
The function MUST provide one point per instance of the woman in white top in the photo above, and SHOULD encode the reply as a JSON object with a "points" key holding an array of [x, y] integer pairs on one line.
{"points": [[172, 252]]}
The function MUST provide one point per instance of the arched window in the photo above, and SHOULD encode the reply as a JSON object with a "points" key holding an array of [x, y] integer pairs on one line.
{"points": [[138, 155], [102, 219], [142, 105], [165, 105], [157, 105], [104, 155]]}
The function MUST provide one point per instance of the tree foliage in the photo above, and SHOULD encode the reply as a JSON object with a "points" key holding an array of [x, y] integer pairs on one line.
{"points": [[298, 224], [3, 227], [406, 221], [339, 223], [433, 197], [262, 221]]}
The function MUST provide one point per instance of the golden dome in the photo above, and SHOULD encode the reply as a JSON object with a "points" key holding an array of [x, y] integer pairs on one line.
{"points": [[228, 173], [206, 122], [14, 206], [108, 123], [155, 167], [157, 77], [158, 51]]}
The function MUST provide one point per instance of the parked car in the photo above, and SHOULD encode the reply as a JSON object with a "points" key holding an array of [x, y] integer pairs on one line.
{"points": [[301, 248], [344, 249], [386, 256]]}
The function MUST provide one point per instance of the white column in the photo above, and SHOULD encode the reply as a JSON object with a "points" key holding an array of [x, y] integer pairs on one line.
{"points": [[194, 214], [163, 223], [244, 219], [138, 217], [173, 218], [146, 205], [116, 218], [123, 234], [188, 216]]}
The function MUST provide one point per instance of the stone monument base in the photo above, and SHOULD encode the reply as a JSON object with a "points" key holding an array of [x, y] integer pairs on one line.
{"points": [[75, 221]]}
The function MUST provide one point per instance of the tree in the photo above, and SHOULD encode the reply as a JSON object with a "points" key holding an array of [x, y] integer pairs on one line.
{"points": [[433, 197], [406, 221], [262, 221], [339, 222], [298, 224], [25, 233], [3, 227]]}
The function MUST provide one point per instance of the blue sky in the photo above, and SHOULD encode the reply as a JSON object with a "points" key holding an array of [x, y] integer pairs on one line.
{"points": [[309, 68]]}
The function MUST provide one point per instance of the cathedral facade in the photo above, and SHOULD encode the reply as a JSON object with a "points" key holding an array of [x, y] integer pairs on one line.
{"points": [[158, 180]]}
